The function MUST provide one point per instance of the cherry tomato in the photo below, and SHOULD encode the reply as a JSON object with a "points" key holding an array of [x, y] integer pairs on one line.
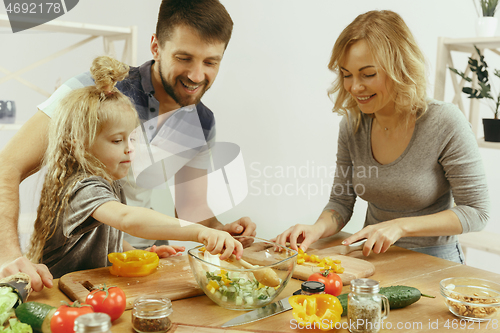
{"points": [[110, 300], [333, 282], [63, 320]]}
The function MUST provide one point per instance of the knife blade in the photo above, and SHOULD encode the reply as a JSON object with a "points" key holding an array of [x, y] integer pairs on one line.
{"points": [[346, 249], [260, 313]]}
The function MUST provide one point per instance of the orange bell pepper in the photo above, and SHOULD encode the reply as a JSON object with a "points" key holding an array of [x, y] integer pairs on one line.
{"points": [[133, 263], [316, 311]]}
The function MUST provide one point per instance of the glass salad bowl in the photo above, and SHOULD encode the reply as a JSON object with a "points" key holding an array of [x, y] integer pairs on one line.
{"points": [[236, 285]]}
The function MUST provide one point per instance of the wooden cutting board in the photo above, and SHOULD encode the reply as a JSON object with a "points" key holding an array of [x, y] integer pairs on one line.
{"points": [[185, 328], [354, 268], [172, 279]]}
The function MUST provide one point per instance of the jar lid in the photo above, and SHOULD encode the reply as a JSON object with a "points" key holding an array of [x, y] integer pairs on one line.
{"points": [[313, 286], [368, 286], [153, 306], [93, 322]]}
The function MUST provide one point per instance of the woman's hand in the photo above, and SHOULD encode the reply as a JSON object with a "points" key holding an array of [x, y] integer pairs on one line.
{"points": [[165, 251], [300, 233], [217, 241], [329, 223], [379, 237]]}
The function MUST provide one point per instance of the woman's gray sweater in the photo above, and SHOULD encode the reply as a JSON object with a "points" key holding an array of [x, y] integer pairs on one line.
{"points": [[441, 166]]}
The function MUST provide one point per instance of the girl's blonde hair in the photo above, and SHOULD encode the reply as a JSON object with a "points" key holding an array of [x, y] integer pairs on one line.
{"points": [[78, 119], [394, 47]]}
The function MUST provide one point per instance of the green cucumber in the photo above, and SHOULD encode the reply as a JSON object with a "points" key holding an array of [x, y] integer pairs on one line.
{"points": [[37, 315], [398, 296]]}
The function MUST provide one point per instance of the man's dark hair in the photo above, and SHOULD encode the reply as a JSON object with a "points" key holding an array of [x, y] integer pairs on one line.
{"points": [[207, 17]]}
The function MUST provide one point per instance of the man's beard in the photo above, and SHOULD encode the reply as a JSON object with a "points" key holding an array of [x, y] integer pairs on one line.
{"points": [[169, 89]]}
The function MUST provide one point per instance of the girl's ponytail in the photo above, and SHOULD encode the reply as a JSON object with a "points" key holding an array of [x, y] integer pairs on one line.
{"points": [[106, 71]]}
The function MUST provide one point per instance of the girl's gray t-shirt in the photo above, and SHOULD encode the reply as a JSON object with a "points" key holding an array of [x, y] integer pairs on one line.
{"points": [[80, 241], [441, 166]]}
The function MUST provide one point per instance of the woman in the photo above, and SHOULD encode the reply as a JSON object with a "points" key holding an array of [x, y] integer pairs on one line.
{"points": [[409, 157]]}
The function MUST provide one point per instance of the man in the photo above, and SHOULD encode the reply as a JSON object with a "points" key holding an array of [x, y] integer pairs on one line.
{"points": [[188, 46]]}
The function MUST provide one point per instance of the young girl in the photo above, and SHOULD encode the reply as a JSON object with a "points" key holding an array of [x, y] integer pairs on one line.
{"points": [[82, 212]]}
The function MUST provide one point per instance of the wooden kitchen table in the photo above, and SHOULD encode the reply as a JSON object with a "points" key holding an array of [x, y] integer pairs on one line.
{"points": [[397, 266]]}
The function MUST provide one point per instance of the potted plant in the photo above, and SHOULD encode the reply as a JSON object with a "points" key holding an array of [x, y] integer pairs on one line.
{"points": [[486, 24], [480, 68]]}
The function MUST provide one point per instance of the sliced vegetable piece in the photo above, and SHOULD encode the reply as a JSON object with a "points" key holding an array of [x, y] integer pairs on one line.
{"points": [[133, 263]]}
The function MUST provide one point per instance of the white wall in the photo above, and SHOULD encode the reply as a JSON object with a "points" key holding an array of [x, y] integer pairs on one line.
{"points": [[270, 95]]}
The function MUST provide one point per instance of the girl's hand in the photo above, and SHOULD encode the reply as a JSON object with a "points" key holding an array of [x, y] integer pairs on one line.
{"points": [[299, 233], [165, 251], [217, 241], [379, 237]]}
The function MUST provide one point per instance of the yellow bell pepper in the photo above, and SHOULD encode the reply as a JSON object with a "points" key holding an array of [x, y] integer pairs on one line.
{"points": [[133, 263], [324, 263], [321, 311]]}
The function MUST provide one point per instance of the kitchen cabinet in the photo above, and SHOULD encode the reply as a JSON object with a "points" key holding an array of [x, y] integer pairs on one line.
{"points": [[444, 60]]}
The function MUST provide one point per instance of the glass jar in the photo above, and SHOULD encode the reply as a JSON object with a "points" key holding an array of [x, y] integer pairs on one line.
{"points": [[364, 307], [93, 323], [312, 287], [150, 314]]}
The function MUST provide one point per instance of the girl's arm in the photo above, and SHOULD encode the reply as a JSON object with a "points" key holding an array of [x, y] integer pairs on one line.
{"points": [[149, 224], [126, 246], [191, 204]]}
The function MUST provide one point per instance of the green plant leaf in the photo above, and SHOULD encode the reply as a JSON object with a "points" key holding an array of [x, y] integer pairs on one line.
{"points": [[485, 90], [488, 7], [497, 73], [461, 74], [480, 68]]}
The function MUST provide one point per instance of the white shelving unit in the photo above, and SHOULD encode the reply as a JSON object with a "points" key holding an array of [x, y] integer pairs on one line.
{"points": [[10, 127], [444, 60], [109, 35]]}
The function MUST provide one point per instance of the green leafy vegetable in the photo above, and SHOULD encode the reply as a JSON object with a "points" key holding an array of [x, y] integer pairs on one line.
{"points": [[16, 326], [8, 298]]}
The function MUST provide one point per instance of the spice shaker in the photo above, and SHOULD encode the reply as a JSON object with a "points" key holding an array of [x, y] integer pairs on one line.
{"points": [[312, 287], [93, 323], [150, 314], [364, 306]]}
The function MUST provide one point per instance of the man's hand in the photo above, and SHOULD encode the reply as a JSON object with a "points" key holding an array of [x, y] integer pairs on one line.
{"points": [[39, 273], [242, 227]]}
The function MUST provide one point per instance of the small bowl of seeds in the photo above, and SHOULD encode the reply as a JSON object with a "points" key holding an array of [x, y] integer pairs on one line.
{"points": [[471, 298]]}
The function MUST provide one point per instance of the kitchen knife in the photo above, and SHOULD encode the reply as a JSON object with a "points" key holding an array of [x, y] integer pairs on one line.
{"points": [[260, 313], [346, 249]]}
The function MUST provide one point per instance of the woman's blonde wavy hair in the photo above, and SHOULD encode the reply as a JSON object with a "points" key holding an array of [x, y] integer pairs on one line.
{"points": [[78, 119], [394, 47]]}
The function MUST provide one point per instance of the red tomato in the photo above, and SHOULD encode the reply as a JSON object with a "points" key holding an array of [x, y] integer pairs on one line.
{"points": [[333, 282], [63, 319], [110, 300]]}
